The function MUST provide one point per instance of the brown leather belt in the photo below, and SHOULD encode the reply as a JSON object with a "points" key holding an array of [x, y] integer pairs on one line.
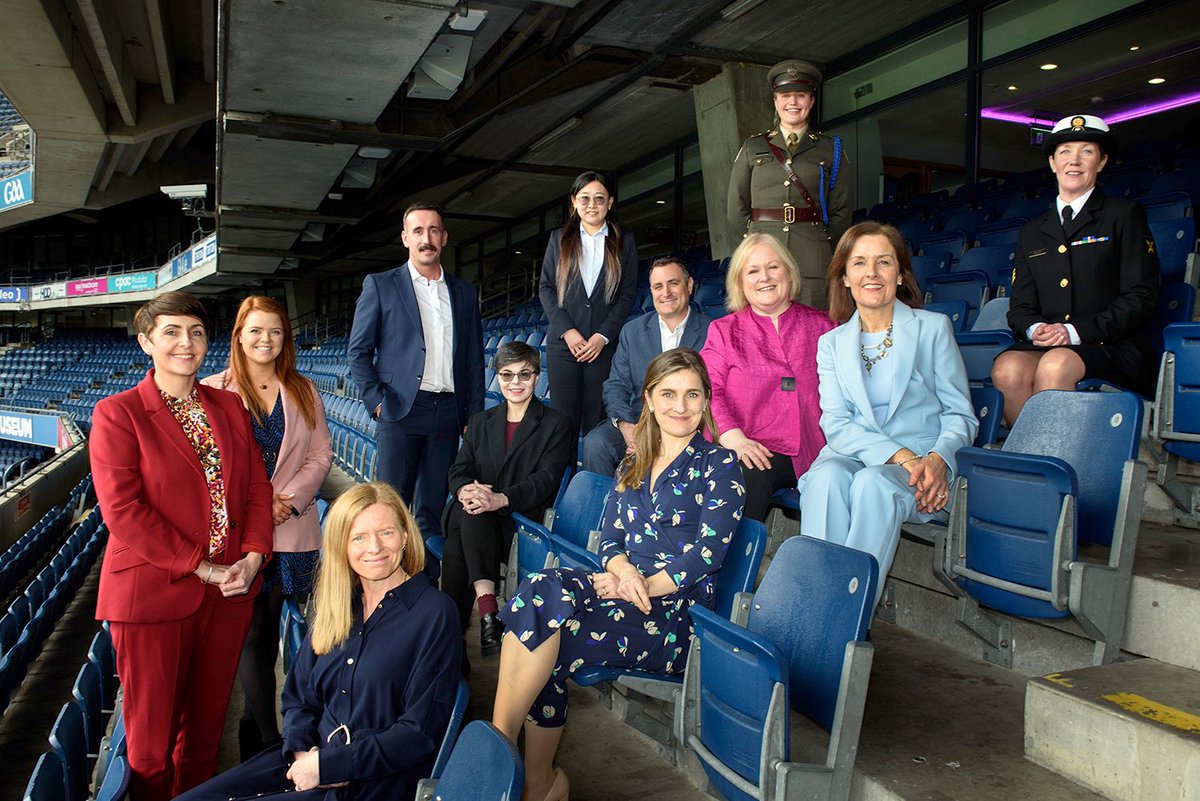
{"points": [[786, 215]]}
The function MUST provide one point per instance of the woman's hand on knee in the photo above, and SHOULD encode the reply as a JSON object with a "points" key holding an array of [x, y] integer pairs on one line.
{"points": [[305, 771], [930, 478], [605, 585]]}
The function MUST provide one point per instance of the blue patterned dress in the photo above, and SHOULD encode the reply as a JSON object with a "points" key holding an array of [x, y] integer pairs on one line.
{"points": [[683, 526]]}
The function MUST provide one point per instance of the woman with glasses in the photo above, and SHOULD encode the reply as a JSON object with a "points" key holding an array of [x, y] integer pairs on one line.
{"points": [[589, 279], [512, 460]]}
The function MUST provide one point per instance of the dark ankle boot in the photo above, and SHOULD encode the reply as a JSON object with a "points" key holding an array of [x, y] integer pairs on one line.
{"points": [[491, 630]]}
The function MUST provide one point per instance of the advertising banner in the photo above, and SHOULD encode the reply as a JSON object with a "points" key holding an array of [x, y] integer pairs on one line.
{"points": [[14, 294], [132, 282], [16, 190], [38, 429], [88, 286]]}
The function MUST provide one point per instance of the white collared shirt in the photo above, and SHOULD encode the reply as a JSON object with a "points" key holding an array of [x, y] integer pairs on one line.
{"points": [[1076, 206], [437, 326], [591, 262], [670, 339]]}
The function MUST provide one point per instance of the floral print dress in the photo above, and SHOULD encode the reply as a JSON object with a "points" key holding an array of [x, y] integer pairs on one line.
{"points": [[682, 525]]}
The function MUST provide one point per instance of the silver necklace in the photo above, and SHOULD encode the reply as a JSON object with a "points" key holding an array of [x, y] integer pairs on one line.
{"points": [[880, 350]]}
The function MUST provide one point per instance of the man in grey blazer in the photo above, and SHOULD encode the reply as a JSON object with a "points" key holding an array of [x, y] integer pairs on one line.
{"points": [[672, 324]]}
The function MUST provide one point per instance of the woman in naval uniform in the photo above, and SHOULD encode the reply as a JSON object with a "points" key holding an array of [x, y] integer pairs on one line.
{"points": [[794, 182], [1085, 280]]}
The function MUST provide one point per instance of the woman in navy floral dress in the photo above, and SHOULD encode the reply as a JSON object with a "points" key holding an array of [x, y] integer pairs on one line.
{"points": [[677, 501]]}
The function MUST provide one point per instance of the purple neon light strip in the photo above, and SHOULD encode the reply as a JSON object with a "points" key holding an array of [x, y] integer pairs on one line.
{"points": [[1131, 113]]}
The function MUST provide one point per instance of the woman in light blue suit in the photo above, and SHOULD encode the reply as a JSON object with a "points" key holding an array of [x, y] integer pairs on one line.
{"points": [[895, 407]]}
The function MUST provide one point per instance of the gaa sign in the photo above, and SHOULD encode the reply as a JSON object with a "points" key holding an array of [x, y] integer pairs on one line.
{"points": [[16, 191]]}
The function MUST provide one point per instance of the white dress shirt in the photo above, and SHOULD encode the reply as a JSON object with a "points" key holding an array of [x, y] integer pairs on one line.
{"points": [[1076, 207], [437, 326], [591, 262], [670, 339]]}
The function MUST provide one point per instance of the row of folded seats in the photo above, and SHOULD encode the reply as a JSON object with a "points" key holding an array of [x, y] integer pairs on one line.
{"points": [[87, 739], [32, 615], [353, 432]]}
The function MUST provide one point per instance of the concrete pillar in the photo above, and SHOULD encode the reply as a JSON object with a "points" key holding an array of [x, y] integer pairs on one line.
{"points": [[729, 108]]}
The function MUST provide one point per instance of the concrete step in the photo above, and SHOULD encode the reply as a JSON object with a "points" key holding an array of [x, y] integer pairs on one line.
{"points": [[1129, 730], [938, 726]]}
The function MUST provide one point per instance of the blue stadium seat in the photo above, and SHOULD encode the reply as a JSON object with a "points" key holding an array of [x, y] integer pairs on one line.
{"points": [[1068, 472], [930, 264], [69, 741], [47, 782], [812, 657], [484, 766], [292, 630], [988, 403], [426, 787], [956, 310], [531, 551], [979, 349], [970, 286], [995, 262], [116, 781], [955, 242], [87, 694], [102, 654], [1176, 418], [1175, 241], [993, 316], [1167, 206], [574, 525]]}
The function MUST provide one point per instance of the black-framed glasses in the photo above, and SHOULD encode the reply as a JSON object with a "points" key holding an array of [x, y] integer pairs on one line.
{"points": [[508, 376]]}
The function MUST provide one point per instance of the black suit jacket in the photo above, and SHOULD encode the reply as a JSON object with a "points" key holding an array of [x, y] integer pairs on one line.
{"points": [[1100, 274], [588, 315], [387, 345], [529, 471]]}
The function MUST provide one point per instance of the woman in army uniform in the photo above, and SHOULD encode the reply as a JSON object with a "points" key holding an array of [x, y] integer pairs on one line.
{"points": [[794, 182], [1085, 280]]}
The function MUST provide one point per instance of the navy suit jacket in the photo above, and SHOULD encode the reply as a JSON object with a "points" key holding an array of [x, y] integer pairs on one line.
{"points": [[387, 345], [640, 342]]}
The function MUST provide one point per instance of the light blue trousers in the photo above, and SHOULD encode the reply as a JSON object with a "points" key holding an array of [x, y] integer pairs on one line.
{"points": [[844, 501]]}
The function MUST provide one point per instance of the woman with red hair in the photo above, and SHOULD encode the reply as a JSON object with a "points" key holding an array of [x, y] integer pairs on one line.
{"points": [[289, 425]]}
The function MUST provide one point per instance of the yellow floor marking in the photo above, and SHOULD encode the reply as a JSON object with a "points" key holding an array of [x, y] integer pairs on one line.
{"points": [[1059, 679], [1152, 710]]}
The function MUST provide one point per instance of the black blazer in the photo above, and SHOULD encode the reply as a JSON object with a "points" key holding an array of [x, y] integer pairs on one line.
{"points": [[588, 315], [1100, 275], [529, 471]]}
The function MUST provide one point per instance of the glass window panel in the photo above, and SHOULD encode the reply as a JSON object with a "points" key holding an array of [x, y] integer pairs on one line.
{"points": [[643, 179], [652, 221], [553, 217], [691, 159], [1020, 22], [907, 67], [495, 242]]}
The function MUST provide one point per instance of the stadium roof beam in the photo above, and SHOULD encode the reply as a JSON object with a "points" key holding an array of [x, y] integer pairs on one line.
{"points": [[158, 17], [108, 43], [322, 132], [276, 213]]}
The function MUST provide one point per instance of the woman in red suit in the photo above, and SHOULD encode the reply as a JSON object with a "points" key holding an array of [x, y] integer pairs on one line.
{"points": [[186, 499], [288, 421]]}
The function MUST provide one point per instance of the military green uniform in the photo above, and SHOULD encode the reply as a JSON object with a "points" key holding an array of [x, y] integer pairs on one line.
{"points": [[760, 182]]}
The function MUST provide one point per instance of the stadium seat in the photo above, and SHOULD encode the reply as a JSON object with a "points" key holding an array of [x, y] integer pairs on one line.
{"points": [[1175, 241], [979, 349], [47, 782], [425, 788], [995, 262], [116, 781], [988, 403], [956, 310], [1167, 206], [993, 316], [102, 654], [970, 286], [484, 766], [742, 679], [930, 264], [574, 525], [69, 741], [1176, 417], [86, 692], [292, 630], [1068, 472], [954, 242]]}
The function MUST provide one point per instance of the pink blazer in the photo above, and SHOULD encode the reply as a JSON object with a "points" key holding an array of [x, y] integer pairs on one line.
{"points": [[303, 464], [748, 363]]}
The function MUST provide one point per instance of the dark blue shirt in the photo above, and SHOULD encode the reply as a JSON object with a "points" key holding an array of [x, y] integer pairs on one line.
{"points": [[269, 435], [392, 684]]}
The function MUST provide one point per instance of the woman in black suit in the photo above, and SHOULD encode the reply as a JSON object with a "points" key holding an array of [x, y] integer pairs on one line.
{"points": [[589, 279], [1085, 281], [512, 460]]}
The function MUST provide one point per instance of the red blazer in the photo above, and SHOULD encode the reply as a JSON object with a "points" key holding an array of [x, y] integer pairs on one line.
{"points": [[155, 501]]}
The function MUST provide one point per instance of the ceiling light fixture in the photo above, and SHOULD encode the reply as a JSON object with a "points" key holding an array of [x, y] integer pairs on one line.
{"points": [[1134, 47], [1156, 81], [1049, 67], [739, 9], [1012, 87]]}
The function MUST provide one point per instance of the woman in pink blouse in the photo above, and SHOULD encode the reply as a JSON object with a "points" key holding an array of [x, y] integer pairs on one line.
{"points": [[762, 358]]}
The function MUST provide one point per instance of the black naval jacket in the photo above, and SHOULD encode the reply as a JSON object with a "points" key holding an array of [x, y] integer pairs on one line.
{"points": [[1100, 275]]}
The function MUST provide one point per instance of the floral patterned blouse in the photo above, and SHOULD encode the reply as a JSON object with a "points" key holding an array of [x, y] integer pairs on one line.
{"points": [[192, 418]]}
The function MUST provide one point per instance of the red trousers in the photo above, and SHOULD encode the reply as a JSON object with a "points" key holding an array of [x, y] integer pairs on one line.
{"points": [[177, 677]]}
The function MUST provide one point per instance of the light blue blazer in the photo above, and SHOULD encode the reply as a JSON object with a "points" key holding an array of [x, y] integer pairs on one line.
{"points": [[930, 408]]}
